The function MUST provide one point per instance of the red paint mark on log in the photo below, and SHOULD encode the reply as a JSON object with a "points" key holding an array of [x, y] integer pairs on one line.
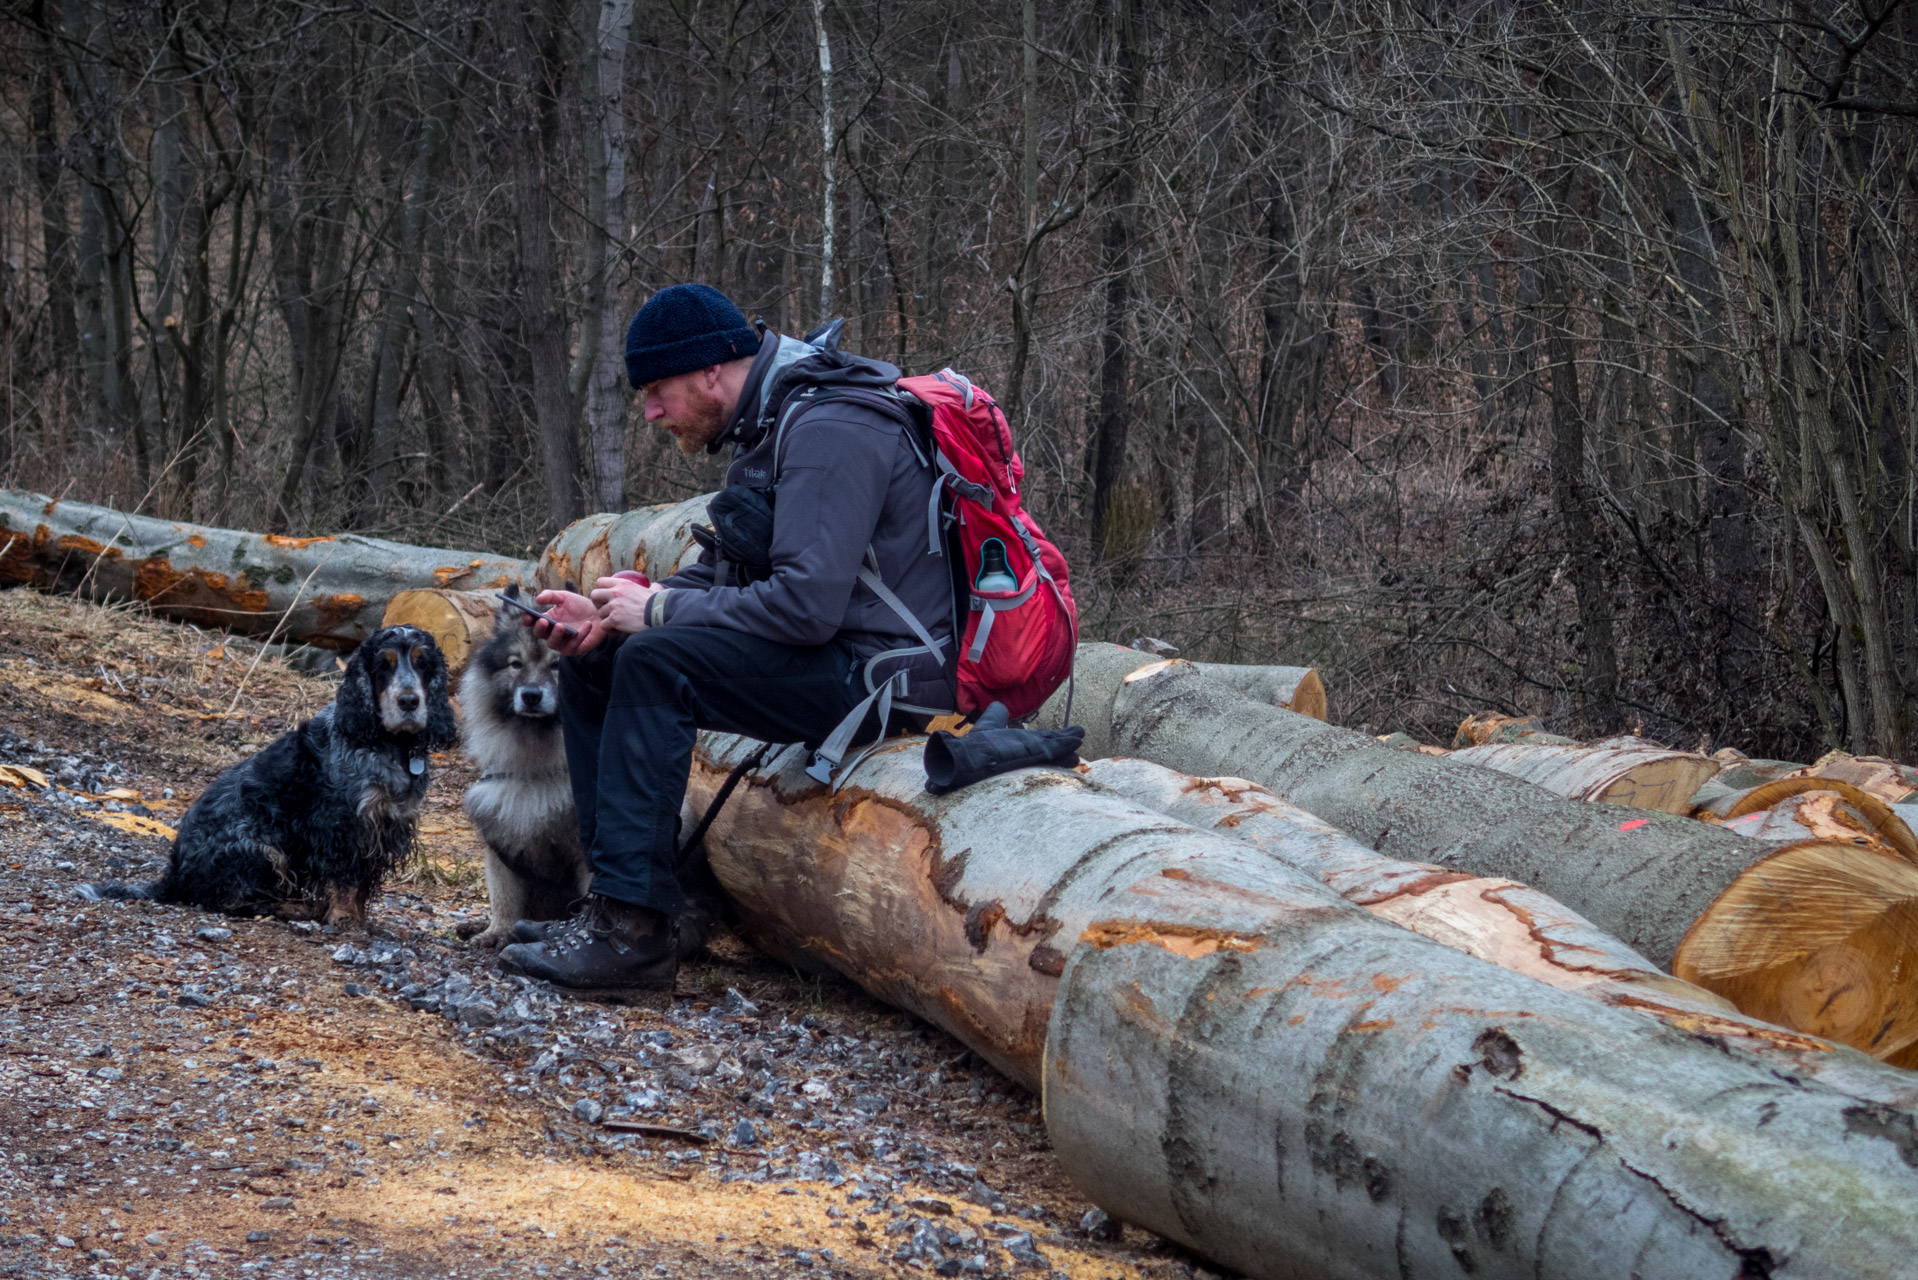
{"points": [[281, 540], [1633, 825]]}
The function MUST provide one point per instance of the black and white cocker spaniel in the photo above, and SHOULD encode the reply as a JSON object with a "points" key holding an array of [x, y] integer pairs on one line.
{"points": [[308, 828]]}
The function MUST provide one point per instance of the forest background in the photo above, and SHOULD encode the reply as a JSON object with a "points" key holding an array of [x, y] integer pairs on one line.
{"points": [[1551, 357]]}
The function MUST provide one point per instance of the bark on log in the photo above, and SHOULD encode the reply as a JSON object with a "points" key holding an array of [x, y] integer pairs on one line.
{"points": [[1500, 921], [1645, 881], [331, 591], [1237, 1127], [1293, 688], [1637, 777], [461, 621], [656, 541]]}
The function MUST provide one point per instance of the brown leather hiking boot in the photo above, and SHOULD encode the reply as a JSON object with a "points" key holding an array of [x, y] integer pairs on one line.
{"points": [[610, 950]]}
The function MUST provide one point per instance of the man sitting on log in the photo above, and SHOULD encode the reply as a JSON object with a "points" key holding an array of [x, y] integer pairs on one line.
{"points": [[782, 642]]}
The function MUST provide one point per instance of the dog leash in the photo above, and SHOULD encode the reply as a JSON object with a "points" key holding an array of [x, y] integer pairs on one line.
{"points": [[740, 770]]}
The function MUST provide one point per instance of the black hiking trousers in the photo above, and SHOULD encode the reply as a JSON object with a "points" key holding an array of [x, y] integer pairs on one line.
{"points": [[631, 710]]}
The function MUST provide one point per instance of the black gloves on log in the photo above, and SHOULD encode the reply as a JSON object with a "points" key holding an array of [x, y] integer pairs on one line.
{"points": [[992, 748]]}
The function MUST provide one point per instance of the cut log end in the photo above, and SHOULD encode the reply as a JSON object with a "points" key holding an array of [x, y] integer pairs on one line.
{"points": [[460, 621], [1309, 698], [1821, 937]]}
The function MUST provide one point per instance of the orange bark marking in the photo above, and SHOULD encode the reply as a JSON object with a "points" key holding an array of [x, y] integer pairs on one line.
{"points": [[195, 540], [1378, 1025], [281, 540], [450, 574], [1181, 940], [196, 589], [155, 577], [1383, 983], [334, 610], [74, 542]]}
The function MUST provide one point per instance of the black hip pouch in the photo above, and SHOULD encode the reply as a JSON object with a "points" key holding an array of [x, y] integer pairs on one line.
{"points": [[740, 538]]}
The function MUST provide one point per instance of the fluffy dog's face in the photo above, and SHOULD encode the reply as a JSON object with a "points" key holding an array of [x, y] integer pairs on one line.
{"points": [[520, 674]]}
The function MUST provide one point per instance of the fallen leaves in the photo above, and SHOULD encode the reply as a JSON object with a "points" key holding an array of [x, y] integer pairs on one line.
{"points": [[134, 824], [20, 777]]}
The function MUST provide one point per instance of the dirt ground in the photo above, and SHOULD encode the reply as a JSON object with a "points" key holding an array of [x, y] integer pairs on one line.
{"points": [[190, 1095]]}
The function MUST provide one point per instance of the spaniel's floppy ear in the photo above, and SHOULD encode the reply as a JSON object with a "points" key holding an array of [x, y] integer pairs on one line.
{"points": [[442, 730], [355, 717]]}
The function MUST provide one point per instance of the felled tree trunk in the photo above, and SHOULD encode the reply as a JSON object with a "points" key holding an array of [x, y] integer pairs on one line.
{"points": [[461, 621], [1291, 1092], [327, 591], [1648, 881], [1500, 921], [1241, 1060], [656, 541], [1638, 777]]}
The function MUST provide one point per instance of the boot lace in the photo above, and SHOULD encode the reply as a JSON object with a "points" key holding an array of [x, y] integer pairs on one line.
{"points": [[594, 924]]}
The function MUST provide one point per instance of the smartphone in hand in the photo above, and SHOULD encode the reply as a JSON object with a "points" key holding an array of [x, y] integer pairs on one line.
{"points": [[540, 614]]}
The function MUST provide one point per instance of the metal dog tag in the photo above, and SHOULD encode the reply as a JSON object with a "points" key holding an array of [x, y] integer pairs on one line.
{"points": [[416, 766]]}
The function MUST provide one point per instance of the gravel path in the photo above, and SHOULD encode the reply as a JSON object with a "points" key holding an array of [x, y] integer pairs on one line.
{"points": [[190, 1095]]}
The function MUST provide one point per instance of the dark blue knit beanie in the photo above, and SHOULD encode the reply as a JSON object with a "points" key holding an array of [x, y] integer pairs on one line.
{"points": [[685, 327]]}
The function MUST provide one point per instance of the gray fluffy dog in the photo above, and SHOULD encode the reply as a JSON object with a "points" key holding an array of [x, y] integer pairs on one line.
{"points": [[522, 804]]}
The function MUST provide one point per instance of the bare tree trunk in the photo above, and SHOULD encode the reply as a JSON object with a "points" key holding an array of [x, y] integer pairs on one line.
{"points": [[1110, 429], [401, 294], [599, 372], [539, 70], [307, 155], [827, 171], [49, 162], [1571, 485]]}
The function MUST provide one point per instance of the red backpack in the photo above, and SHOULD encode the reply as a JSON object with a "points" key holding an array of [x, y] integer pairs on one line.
{"points": [[1021, 626]]}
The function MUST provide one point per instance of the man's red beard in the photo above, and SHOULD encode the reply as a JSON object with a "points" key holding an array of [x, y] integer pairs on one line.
{"points": [[704, 420]]}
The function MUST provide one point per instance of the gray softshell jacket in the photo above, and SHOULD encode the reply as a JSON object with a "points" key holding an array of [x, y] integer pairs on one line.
{"points": [[848, 477]]}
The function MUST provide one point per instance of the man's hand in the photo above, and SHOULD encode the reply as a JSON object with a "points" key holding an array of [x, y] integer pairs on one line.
{"points": [[622, 603], [577, 612]]}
